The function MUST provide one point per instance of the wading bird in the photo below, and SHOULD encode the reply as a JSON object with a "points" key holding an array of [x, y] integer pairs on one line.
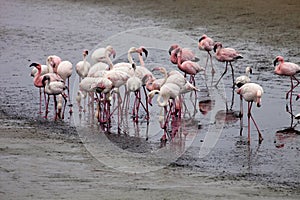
{"points": [[226, 55], [83, 67], [207, 44], [251, 92], [287, 69]]}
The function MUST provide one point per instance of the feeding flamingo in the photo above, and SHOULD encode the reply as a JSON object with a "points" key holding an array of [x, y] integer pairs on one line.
{"points": [[187, 54], [83, 67], [251, 92], [188, 67], [207, 44], [287, 69], [54, 88], [226, 55]]}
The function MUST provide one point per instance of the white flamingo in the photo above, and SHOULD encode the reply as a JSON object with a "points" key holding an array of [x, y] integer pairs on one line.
{"points": [[54, 88], [251, 92], [83, 67]]}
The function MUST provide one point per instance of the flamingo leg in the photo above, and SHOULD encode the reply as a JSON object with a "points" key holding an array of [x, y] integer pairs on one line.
{"points": [[241, 115], [146, 99], [47, 104], [55, 107], [260, 138], [249, 115], [222, 74], [232, 74], [69, 98], [212, 66], [65, 98], [40, 101]]}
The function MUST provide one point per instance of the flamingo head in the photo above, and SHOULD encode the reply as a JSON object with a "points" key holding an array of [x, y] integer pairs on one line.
{"points": [[248, 70], [85, 52], [133, 66], [217, 45], [278, 59], [172, 47], [36, 65], [202, 37], [111, 51], [141, 50], [258, 98]]}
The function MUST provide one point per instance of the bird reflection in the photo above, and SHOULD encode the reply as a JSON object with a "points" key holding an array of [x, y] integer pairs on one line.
{"points": [[285, 136]]}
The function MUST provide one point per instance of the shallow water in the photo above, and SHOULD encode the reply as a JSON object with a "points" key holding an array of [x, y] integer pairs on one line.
{"points": [[32, 30]]}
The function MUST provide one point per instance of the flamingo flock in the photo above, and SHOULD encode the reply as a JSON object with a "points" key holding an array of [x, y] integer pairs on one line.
{"points": [[102, 83]]}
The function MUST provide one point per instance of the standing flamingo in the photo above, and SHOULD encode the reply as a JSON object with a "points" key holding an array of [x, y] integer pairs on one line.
{"points": [[241, 80], [188, 67], [226, 55], [134, 85], [251, 92], [99, 55], [54, 88], [207, 44], [187, 54], [96, 69], [287, 69], [65, 70], [83, 67], [38, 80]]}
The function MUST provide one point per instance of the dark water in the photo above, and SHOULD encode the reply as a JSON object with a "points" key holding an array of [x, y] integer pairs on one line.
{"points": [[32, 30]]}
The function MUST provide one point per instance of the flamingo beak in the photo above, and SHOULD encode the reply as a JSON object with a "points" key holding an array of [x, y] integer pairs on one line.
{"points": [[201, 39], [170, 50], [145, 51], [298, 96], [33, 64], [114, 53], [258, 102], [275, 62], [215, 48]]}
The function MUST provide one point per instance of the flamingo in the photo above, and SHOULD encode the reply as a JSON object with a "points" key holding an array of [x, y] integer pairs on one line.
{"points": [[99, 55], [251, 92], [287, 69], [53, 61], [187, 54], [44, 70], [188, 67], [241, 80], [38, 79], [54, 88], [226, 55], [134, 84], [83, 67], [95, 70], [207, 44]]}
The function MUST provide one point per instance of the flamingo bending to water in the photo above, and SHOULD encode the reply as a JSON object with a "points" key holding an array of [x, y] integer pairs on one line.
{"points": [[251, 92], [187, 54], [188, 67], [241, 80], [226, 55]]}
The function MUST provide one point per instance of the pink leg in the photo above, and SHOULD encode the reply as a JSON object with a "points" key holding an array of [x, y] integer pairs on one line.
{"points": [[222, 74]]}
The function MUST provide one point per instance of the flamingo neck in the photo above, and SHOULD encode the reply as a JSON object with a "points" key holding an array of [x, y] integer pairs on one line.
{"points": [[141, 60], [164, 101], [108, 60], [129, 56]]}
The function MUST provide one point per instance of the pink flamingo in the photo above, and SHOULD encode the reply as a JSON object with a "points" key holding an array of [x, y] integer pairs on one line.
{"points": [[251, 92], [83, 67], [54, 88], [287, 69], [187, 54], [226, 55], [38, 80], [207, 44], [188, 67]]}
